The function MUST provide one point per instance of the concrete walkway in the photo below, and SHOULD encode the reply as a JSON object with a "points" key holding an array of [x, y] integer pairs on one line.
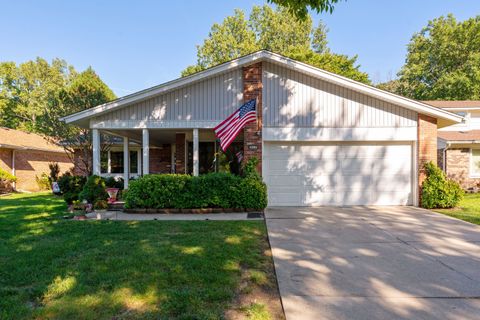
{"points": [[118, 215], [375, 263]]}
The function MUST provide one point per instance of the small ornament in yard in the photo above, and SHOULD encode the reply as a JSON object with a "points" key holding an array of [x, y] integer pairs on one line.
{"points": [[112, 193], [100, 207]]}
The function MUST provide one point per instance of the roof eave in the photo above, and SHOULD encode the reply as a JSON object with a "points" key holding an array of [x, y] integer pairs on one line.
{"points": [[449, 118]]}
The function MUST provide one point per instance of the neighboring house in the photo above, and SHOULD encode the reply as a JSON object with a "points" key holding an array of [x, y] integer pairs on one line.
{"points": [[322, 139], [27, 155], [459, 145]]}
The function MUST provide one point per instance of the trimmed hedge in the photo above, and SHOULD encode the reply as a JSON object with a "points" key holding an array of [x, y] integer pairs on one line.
{"points": [[213, 190], [438, 191]]}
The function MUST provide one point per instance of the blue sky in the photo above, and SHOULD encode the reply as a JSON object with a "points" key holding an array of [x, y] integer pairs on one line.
{"points": [[137, 44]]}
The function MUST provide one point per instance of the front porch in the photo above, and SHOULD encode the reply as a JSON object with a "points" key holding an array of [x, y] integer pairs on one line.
{"points": [[161, 151]]}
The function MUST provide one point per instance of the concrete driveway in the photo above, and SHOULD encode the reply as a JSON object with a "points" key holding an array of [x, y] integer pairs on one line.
{"points": [[375, 263]]}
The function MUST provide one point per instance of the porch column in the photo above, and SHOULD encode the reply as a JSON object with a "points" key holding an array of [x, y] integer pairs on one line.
{"points": [[126, 162], [96, 151], [195, 152], [146, 151]]}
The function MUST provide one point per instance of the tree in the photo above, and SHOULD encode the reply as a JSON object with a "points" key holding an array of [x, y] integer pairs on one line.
{"points": [[443, 61], [35, 95], [85, 91], [299, 8], [274, 30], [27, 89]]}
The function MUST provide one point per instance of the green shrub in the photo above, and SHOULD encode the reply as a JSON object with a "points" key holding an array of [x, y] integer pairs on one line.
{"points": [[438, 191], [43, 182], [54, 171], [71, 186], [213, 190], [7, 176], [249, 170], [93, 190], [111, 182], [100, 205]]}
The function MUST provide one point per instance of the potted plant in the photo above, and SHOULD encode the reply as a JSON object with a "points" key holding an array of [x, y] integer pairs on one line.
{"points": [[100, 207]]}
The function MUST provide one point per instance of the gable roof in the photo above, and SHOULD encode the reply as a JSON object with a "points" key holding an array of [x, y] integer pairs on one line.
{"points": [[455, 104], [447, 118], [472, 136], [20, 140]]}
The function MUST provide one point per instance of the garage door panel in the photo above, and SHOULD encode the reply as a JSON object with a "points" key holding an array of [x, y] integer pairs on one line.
{"points": [[318, 152], [320, 198], [285, 180], [312, 174]]}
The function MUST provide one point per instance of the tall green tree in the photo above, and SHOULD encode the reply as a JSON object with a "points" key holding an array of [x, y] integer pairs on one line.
{"points": [[27, 89], [275, 30], [85, 91], [34, 96], [299, 8], [443, 61]]}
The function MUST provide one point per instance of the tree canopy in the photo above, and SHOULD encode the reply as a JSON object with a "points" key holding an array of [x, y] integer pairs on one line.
{"points": [[299, 8], [443, 62], [275, 30], [36, 94]]}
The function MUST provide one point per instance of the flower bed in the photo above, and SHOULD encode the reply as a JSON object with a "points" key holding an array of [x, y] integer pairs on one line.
{"points": [[213, 192]]}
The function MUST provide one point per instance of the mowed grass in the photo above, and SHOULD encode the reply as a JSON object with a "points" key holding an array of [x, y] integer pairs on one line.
{"points": [[468, 209], [51, 268]]}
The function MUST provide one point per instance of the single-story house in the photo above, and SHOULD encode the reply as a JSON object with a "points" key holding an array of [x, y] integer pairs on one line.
{"points": [[459, 145], [27, 156], [322, 139]]}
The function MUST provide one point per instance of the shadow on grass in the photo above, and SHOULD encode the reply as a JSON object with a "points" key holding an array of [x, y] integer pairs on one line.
{"points": [[58, 269]]}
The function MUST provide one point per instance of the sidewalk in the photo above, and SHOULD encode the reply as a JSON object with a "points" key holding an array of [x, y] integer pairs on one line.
{"points": [[118, 215]]}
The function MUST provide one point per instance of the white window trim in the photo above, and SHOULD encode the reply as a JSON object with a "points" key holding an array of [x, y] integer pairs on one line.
{"points": [[472, 174], [120, 174]]}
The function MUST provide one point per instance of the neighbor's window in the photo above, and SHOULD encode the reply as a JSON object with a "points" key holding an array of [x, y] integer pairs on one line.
{"points": [[475, 165]]}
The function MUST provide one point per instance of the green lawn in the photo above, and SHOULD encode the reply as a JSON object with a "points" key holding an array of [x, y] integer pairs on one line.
{"points": [[51, 268], [468, 210]]}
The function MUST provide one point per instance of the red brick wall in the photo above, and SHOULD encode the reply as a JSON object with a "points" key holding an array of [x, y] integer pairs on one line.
{"points": [[252, 134], [161, 159], [6, 164], [29, 164], [458, 167], [427, 145], [180, 153]]}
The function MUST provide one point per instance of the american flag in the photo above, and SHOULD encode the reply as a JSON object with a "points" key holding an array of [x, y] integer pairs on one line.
{"points": [[229, 128]]}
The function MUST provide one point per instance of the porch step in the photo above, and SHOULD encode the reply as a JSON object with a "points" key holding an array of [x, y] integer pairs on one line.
{"points": [[116, 206]]}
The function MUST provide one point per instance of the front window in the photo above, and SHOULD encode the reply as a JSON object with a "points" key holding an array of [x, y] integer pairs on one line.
{"points": [[116, 161], [112, 162], [475, 163], [212, 159]]}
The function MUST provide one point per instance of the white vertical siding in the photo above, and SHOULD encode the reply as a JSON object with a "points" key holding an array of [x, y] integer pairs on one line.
{"points": [[293, 99], [211, 99]]}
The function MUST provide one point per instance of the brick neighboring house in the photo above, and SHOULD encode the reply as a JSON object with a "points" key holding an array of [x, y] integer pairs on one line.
{"points": [[321, 139], [459, 145], [27, 155]]}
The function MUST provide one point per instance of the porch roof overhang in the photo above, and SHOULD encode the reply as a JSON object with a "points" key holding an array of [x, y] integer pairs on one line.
{"points": [[445, 118]]}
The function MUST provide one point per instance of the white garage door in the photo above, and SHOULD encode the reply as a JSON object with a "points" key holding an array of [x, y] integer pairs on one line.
{"points": [[314, 174]]}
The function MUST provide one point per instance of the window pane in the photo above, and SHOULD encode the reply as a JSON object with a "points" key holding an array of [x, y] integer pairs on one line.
{"points": [[476, 161], [206, 157], [116, 161], [104, 162], [133, 162]]}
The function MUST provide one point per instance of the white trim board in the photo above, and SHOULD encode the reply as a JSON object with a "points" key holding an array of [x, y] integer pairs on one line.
{"points": [[264, 55], [340, 134]]}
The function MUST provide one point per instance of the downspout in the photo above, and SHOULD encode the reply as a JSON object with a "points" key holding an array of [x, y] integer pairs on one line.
{"points": [[444, 164], [13, 169]]}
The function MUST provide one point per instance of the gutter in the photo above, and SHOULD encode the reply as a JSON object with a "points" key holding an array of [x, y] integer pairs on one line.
{"points": [[10, 146]]}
